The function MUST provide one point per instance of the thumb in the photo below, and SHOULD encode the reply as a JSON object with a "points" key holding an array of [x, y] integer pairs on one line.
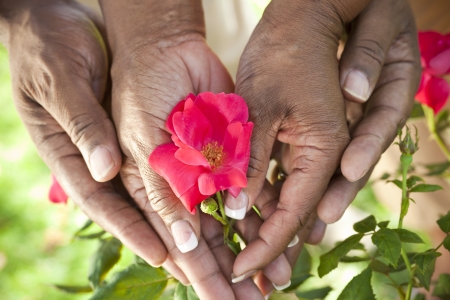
{"points": [[79, 113]]}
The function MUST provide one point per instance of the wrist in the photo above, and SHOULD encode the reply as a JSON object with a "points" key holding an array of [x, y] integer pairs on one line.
{"points": [[132, 23], [11, 12]]}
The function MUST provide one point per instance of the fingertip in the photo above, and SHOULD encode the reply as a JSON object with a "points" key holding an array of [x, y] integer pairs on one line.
{"points": [[317, 233], [356, 86], [103, 164]]}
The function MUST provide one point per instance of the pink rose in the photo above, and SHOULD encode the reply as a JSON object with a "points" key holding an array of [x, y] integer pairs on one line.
{"points": [[56, 193], [435, 55], [210, 150]]}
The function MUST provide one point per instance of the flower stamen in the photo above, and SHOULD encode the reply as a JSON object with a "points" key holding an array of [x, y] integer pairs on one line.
{"points": [[213, 152]]}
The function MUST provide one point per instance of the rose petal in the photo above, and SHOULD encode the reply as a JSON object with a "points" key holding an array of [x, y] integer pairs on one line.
{"points": [[192, 127], [210, 183], [428, 40], [440, 64], [169, 123], [56, 193], [437, 91], [181, 177], [234, 130], [191, 198], [234, 191], [192, 157]]}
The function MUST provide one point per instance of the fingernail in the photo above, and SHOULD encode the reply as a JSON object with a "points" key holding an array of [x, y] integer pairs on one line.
{"points": [[268, 296], [184, 236], [361, 176], [236, 208], [357, 84], [246, 275], [281, 287], [101, 162], [293, 242]]}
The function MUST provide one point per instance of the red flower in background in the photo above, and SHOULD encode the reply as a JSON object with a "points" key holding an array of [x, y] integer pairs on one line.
{"points": [[435, 55], [210, 150], [57, 194]]}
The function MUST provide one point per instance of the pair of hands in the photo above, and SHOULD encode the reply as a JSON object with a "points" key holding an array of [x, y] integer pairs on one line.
{"points": [[291, 80]]}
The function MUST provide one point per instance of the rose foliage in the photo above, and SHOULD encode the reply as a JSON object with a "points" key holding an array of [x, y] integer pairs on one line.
{"points": [[435, 54], [210, 150]]}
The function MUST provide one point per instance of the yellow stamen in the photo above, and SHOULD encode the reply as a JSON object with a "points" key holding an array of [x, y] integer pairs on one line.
{"points": [[214, 154]]}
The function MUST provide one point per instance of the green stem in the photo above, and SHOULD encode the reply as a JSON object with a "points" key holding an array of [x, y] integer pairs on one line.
{"points": [[429, 116], [221, 207], [399, 288], [440, 245], [219, 218], [411, 275], [406, 161]]}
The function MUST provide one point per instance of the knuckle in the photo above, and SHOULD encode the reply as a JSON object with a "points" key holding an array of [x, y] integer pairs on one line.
{"points": [[371, 47], [83, 127]]}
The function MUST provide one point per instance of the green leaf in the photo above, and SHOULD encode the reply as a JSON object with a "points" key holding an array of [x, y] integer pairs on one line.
{"points": [[425, 188], [397, 182], [352, 259], [359, 246], [417, 111], [379, 267], [444, 223], [234, 246], [319, 293], [137, 282], [184, 292], [107, 255], [383, 224], [283, 296], [389, 244], [91, 236], [329, 261], [446, 242], [72, 289], [385, 176], [442, 288], [425, 278], [424, 259], [301, 270], [420, 297], [437, 169], [359, 287], [412, 180], [401, 263], [366, 225], [407, 236]]}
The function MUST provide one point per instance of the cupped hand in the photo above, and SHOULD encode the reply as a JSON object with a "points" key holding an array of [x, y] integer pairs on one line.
{"points": [[154, 69], [59, 69], [295, 88]]}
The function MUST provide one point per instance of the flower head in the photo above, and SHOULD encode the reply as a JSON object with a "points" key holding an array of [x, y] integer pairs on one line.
{"points": [[56, 193], [210, 150], [435, 55]]}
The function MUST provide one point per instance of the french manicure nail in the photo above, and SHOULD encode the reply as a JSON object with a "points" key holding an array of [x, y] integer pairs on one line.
{"points": [[184, 236], [268, 296], [357, 84], [236, 208], [281, 287], [246, 275], [293, 242], [101, 162]]}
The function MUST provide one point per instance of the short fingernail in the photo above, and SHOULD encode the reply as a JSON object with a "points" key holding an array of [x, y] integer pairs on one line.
{"points": [[293, 242], [357, 84], [281, 287], [184, 236], [236, 208], [236, 279], [101, 162]]}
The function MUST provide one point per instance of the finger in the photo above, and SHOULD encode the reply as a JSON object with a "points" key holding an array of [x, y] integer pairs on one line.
{"points": [[99, 201], [212, 231], [363, 58], [199, 265], [170, 266], [340, 193], [317, 232], [391, 102]]}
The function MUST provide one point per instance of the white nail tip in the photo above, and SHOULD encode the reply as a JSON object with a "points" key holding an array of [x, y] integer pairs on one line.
{"points": [[237, 214], [238, 279], [190, 245], [268, 296], [281, 287], [293, 242]]}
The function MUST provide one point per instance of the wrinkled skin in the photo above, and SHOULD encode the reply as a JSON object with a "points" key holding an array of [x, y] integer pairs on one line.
{"points": [[295, 89]]}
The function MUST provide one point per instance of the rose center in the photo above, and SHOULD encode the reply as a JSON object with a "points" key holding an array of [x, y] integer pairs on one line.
{"points": [[213, 152]]}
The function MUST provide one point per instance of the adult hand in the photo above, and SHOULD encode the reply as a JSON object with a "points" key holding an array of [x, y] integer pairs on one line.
{"points": [[289, 75], [59, 70], [159, 56]]}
